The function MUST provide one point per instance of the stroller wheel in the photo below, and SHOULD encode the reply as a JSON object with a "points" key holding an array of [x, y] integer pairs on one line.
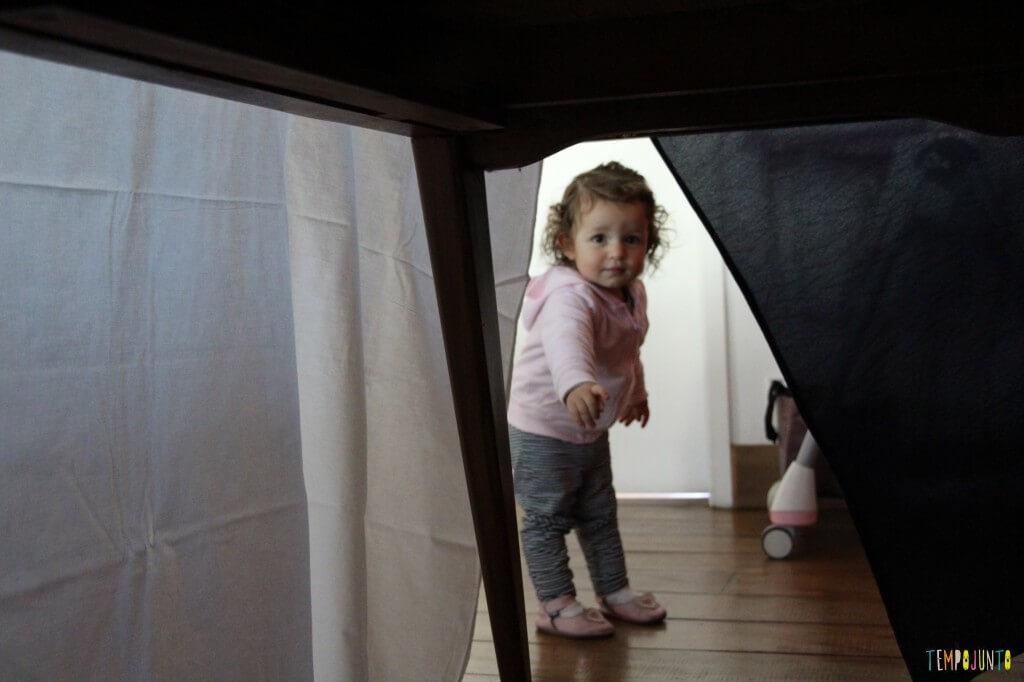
{"points": [[777, 541]]}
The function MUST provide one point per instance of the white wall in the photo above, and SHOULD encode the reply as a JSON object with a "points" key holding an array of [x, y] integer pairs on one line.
{"points": [[751, 368]]}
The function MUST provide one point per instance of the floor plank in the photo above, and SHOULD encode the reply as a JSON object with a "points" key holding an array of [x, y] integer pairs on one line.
{"points": [[758, 608], [734, 614], [593, 661], [709, 635]]}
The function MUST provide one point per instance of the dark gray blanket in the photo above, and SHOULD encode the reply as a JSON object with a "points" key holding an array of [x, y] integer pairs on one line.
{"points": [[885, 263]]}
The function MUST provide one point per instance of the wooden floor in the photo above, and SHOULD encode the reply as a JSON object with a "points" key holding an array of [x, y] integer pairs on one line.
{"points": [[733, 613]]}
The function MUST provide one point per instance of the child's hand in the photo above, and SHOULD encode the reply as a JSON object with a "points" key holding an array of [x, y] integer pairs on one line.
{"points": [[639, 412], [585, 403]]}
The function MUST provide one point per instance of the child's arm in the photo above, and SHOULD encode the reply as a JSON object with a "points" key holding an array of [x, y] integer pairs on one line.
{"points": [[638, 409], [566, 331], [586, 402], [639, 413], [639, 389]]}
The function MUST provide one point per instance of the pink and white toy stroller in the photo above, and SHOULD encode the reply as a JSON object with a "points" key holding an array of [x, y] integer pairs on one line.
{"points": [[792, 500]]}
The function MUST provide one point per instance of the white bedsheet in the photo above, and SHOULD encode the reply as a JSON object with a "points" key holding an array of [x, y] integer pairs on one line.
{"points": [[227, 443]]}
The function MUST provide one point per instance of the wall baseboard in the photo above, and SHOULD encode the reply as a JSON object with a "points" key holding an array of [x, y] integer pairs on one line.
{"points": [[662, 496]]}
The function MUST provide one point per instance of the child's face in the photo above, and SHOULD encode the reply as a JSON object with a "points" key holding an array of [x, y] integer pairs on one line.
{"points": [[609, 243]]}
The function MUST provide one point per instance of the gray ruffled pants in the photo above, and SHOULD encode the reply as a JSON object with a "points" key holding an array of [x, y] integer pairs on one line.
{"points": [[563, 486]]}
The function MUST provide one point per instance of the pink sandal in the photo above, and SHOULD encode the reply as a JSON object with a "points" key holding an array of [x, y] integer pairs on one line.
{"points": [[641, 610], [589, 624]]}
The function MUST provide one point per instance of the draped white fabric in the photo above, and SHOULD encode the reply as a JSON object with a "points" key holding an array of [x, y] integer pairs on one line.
{"points": [[227, 443]]}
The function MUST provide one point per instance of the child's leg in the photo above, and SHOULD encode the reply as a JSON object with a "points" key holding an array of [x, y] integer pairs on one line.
{"points": [[546, 479], [598, 525], [597, 514]]}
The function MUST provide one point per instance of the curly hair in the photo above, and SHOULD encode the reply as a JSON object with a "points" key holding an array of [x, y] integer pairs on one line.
{"points": [[612, 182]]}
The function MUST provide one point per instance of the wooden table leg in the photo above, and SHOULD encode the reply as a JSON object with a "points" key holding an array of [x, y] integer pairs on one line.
{"points": [[455, 211]]}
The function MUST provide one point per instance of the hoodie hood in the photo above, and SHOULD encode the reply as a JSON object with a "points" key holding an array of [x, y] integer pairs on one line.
{"points": [[540, 288], [560, 277]]}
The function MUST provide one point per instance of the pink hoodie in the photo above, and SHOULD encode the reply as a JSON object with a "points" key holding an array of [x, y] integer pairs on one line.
{"points": [[576, 332]]}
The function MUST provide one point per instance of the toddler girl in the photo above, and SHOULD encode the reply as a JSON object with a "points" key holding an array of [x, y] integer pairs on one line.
{"points": [[577, 373]]}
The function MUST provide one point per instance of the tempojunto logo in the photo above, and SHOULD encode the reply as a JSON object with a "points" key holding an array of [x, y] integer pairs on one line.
{"points": [[969, 659]]}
